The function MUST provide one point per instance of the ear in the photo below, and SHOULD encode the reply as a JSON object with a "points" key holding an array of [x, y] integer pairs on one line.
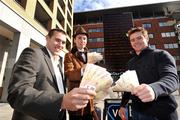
{"points": [[47, 37], [147, 38], [74, 40]]}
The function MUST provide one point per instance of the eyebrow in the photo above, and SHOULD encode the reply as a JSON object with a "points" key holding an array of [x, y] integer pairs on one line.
{"points": [[63, 41], [138, 37]]}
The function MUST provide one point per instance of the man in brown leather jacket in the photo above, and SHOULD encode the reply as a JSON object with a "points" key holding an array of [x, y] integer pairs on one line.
{"points": [[74, 63]]}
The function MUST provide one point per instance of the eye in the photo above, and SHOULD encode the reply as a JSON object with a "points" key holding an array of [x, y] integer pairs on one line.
{"points": [[63, 42], [139, 37], [132, 40], [79, 37]]}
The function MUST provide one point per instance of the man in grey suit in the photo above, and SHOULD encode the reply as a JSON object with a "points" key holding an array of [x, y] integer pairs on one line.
{"points": [[36, 90]]}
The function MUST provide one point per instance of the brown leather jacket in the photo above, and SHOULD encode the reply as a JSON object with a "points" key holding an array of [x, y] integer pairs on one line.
{"points": [[73, 63]]}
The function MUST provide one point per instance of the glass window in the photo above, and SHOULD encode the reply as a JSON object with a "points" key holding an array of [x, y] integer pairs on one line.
{"points": [[172, 34], [166, 46], [100, 39], [163, 34], [176, 57], [153, 46], [96, 40], [99, 50], [95, 19], [90, 30], [151, 35], [92, 50], [147, 25], [171, 46], [163, 24], [22, 3], [168, 34], [175, 45], [95, 30], [89, 40]]}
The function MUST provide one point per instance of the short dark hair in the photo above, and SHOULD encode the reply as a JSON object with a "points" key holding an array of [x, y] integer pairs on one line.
{"points": [[137, 29], [51, 32]]}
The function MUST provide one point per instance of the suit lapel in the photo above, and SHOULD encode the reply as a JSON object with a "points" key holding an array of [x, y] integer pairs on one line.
{"points": [[78, 55], [50, 66], [60, 67]]}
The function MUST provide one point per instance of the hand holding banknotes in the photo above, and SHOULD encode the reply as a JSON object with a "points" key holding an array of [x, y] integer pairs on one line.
{"points": [[127, 81], [77, 98], [99, 78], [144, 92]]}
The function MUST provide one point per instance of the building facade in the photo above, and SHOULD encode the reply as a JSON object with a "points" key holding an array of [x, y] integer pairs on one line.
{"points": [[24, 23], [107, 29]]}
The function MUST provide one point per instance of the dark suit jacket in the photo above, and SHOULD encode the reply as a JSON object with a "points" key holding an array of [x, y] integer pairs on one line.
{"points": [[156, 68], [33, 91]]}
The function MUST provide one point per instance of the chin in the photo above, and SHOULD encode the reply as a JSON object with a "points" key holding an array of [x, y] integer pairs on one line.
{"points": [[57, 53]]}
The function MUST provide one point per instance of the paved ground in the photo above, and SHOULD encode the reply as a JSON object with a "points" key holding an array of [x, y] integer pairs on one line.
{"points": [[6, 110]]}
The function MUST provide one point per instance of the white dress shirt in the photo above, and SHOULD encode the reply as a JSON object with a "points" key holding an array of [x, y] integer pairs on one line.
{"points": [[58, 74]]}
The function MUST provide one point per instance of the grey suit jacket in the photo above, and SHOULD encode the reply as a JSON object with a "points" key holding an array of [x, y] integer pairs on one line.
{"points": [[33, 91]]}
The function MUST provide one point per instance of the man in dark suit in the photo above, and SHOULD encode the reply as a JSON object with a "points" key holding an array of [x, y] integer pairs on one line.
{"points": [[36, 90]]}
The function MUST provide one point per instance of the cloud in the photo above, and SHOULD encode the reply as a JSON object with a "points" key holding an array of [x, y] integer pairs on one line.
{"points": [[88, 5]]}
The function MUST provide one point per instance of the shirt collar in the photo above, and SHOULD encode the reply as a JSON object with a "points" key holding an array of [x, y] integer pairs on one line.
{"points": [[51, 56], [144, 51], [81, 50]]}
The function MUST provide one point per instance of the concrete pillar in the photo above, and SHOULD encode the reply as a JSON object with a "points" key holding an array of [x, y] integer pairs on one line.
{"points": [[10, 63]]}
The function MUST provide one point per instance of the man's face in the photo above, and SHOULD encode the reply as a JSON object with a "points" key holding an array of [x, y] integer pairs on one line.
{"points": [[138, 41], [80, 41], [56, 43]]}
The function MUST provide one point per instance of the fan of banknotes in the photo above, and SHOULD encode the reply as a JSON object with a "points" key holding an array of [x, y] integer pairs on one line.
{"points": [[127, 81], [96, 78], [94, 57]]}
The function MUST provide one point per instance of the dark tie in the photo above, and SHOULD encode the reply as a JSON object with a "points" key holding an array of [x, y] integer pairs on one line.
{"points": [[60, 69], [83, 55], [60, 65]]}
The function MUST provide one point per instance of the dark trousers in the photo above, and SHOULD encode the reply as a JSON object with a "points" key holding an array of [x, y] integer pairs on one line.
{"points": [[84, 117], [140, 116]]}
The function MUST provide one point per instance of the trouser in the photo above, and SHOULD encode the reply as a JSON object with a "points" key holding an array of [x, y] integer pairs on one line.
{"points": [[84, 117], [140, 116]]}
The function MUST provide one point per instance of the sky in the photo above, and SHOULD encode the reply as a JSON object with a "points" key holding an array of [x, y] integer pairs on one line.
{"points": [[89, 5]]}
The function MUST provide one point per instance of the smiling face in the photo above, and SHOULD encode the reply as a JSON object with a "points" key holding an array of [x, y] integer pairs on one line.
{"points": [[56, 43], [81, 41], [138, 41]]}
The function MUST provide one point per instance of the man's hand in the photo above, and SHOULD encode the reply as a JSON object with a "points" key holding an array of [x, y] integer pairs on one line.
{"points": [[144, 92], [83, 67], [77, 98], [122, 113]]}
